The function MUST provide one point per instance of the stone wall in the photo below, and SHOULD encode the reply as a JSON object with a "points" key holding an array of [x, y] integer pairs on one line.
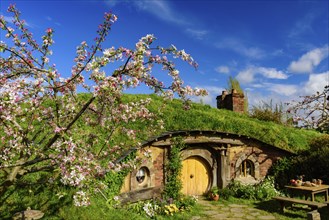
{"points": [[262, 157], [155, 174], [158, 168], [223, 152]]}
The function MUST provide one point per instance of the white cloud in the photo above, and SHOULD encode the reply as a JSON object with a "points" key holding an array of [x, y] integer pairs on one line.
{"points": [[223, 69], [158, 8], [302, 26], [248, 75], [282, 89], [210, 99], [278, 52], [271, 73], [112, 3], [257, 98], [161, 9], [198, 34], [316, 83], [164, 10], [257, 85], [307, 62], [238, 47], [279, 93]]}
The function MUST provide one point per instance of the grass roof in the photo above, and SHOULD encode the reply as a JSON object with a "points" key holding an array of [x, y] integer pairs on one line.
{"points": [[204, 117]]}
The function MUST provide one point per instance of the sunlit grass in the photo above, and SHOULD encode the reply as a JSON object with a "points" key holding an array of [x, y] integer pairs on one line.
{"points": [[199, 117], [204, 117]]}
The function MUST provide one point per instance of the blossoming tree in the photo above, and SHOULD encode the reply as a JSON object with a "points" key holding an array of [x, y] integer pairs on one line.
{"points": [[313, 111], [46, 126]]}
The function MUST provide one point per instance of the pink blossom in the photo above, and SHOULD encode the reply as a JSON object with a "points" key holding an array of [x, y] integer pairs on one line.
{"points": [[39, 100], [49, 30], [58, 130]]}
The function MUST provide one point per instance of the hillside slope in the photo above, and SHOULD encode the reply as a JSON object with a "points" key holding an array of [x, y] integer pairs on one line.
{"points": [[204, 117]]}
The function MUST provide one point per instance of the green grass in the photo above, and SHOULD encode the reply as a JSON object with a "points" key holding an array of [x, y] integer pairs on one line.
{"points": [[200, 117], [204, 117], [98, 209]]}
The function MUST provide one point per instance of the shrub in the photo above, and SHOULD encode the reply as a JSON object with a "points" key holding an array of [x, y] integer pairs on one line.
{"points": [[270, 112], [173, 169], [213, 191], [137, 207], [226, 193], [264, 190], [114, 181], [155, 207], [319, 143], [187, 202], [312, 163], [283, 170], [151, 209]]}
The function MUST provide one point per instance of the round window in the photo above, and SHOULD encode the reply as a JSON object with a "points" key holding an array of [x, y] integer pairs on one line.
{"points": [[141, 175]]}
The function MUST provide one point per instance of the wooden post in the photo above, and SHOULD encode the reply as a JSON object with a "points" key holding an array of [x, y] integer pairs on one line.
{"points": [[245, 168], [222, 168]]}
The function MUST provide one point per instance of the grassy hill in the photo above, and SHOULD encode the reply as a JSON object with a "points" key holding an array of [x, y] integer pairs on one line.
{"points": [[204, 117], [45, 197]]}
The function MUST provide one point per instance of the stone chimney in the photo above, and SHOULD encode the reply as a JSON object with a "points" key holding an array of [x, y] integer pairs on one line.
{"points": [[233, 101]]}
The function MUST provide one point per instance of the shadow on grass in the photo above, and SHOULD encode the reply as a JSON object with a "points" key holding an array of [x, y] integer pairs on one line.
{"points": [[274, 207], [39, 197], [324, 212], [292, 211]]}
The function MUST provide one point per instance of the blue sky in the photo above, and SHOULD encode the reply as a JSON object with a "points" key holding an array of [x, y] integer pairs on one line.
{"points": [[278, 50]]}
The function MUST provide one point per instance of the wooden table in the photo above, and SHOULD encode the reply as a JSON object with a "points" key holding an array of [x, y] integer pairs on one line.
{"points": [[310, 190]]}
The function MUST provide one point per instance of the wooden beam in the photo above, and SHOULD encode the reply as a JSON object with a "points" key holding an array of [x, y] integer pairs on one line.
{"points": [[141, 194], [200, 140]]}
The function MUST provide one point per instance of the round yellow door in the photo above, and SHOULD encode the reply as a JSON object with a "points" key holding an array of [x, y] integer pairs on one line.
{"points": [[195, 176]]}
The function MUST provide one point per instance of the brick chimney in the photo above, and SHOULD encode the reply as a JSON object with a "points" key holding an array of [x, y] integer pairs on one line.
{"points": [[233, 101]]}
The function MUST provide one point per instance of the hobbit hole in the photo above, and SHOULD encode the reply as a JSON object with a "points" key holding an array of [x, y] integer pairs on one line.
{"points": [[210, 158]]}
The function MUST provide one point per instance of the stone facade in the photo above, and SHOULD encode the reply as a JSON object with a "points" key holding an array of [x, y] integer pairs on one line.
{"points": [[233, 101], [158, 165], [154, 167], [225, 157]]}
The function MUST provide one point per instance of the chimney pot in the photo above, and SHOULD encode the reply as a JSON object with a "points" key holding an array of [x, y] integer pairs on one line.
{"points": [[233, 101]]}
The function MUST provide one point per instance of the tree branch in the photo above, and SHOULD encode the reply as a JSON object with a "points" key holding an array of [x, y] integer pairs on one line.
{"points": [[57, 135]]}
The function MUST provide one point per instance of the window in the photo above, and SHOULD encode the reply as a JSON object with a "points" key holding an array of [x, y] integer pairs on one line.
{"points": [[142, 175], [247, 168]]}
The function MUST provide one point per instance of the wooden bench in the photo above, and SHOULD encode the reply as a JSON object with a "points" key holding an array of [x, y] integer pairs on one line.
{"points": [[289, 201]]}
